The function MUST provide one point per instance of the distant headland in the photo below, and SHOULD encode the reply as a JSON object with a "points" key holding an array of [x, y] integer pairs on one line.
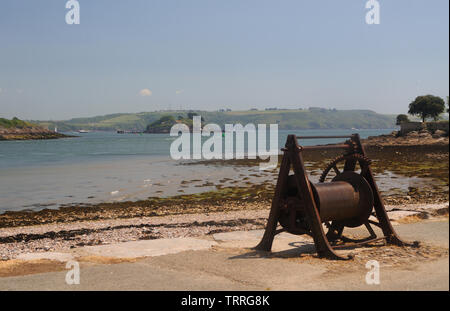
{"points": [[287, 119], [16, 129]]}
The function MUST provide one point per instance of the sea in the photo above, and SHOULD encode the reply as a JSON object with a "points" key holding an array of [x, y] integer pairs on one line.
{"points": [[97, 167]]}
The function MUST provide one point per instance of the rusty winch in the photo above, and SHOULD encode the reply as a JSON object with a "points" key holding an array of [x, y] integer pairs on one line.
{"points": [[347, 199]]}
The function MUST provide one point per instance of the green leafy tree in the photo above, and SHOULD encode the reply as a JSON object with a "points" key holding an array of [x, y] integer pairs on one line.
{"points": [[427, 106], [401, 118], [14, 123], [165, 119], [192, 114], [165, 122]]}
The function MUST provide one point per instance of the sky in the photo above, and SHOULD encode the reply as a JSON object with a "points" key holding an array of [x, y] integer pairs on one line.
{"points": [[147, 55]]}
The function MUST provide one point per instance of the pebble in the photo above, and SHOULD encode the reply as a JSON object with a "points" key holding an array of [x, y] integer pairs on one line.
{"points": [[132, 229], [76, 234]]}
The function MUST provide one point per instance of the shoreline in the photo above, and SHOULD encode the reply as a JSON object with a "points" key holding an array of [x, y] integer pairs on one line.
{"points": [[228, 208], [425, 162], [61, 237], [19, 136]]}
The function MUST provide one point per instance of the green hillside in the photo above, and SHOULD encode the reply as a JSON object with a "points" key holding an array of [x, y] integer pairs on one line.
{"points": [[14, 123], [312, 118]]}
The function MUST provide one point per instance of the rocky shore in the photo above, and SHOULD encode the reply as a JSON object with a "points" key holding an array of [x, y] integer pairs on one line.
{"points": [[414, 138], [28, 133]]}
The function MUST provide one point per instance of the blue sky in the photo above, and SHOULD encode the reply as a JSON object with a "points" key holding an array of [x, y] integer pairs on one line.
{"points": [[211, 54]]}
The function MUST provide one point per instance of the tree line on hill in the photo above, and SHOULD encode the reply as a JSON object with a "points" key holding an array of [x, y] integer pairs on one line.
{"points": [[292, 119]]}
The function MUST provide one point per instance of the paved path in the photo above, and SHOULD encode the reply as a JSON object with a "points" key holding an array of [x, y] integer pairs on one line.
{"points": [[225, 262]]}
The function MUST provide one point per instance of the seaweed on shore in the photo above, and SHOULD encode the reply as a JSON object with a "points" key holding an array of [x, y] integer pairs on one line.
{"points": [[224, 199], [429, 162]]}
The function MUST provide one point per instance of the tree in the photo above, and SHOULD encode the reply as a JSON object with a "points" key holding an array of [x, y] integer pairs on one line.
{"points": [[165, 119], [447, 105], [191, 114], [427, 106], [402, 118]]}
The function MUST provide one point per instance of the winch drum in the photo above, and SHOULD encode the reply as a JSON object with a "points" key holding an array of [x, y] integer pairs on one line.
{"points": [[348, 199]]}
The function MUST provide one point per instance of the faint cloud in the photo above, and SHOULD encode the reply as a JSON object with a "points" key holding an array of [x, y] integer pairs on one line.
{"points": [[179, 91], [19, 91], [145, 92]]}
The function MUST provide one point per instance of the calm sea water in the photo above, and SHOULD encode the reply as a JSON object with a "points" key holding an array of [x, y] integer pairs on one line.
{"points": [[103, 166]]}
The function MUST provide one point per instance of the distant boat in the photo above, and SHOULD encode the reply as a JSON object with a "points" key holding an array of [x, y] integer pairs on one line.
{"points": [[56, 129], [83, 131], [129, 132]]}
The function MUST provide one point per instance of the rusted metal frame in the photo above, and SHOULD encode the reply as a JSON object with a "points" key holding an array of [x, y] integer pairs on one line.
{"points": [[278, 231], [293, 156], [371, 237], [339, 228], [271, 227], [369, 228], [323, 247], [321, 147], [320, 137], [350, 165], [335, 227], [352, 245], [332, 236], [335, 231], [375, 223], [325, 147], [380, 210]]}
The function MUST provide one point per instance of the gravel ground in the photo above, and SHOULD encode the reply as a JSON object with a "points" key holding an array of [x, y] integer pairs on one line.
{"points": [[64, 236], [59, 237]]}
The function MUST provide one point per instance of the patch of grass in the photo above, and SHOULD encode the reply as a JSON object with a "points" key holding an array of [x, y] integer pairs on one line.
{"points": [[14, 123]]}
